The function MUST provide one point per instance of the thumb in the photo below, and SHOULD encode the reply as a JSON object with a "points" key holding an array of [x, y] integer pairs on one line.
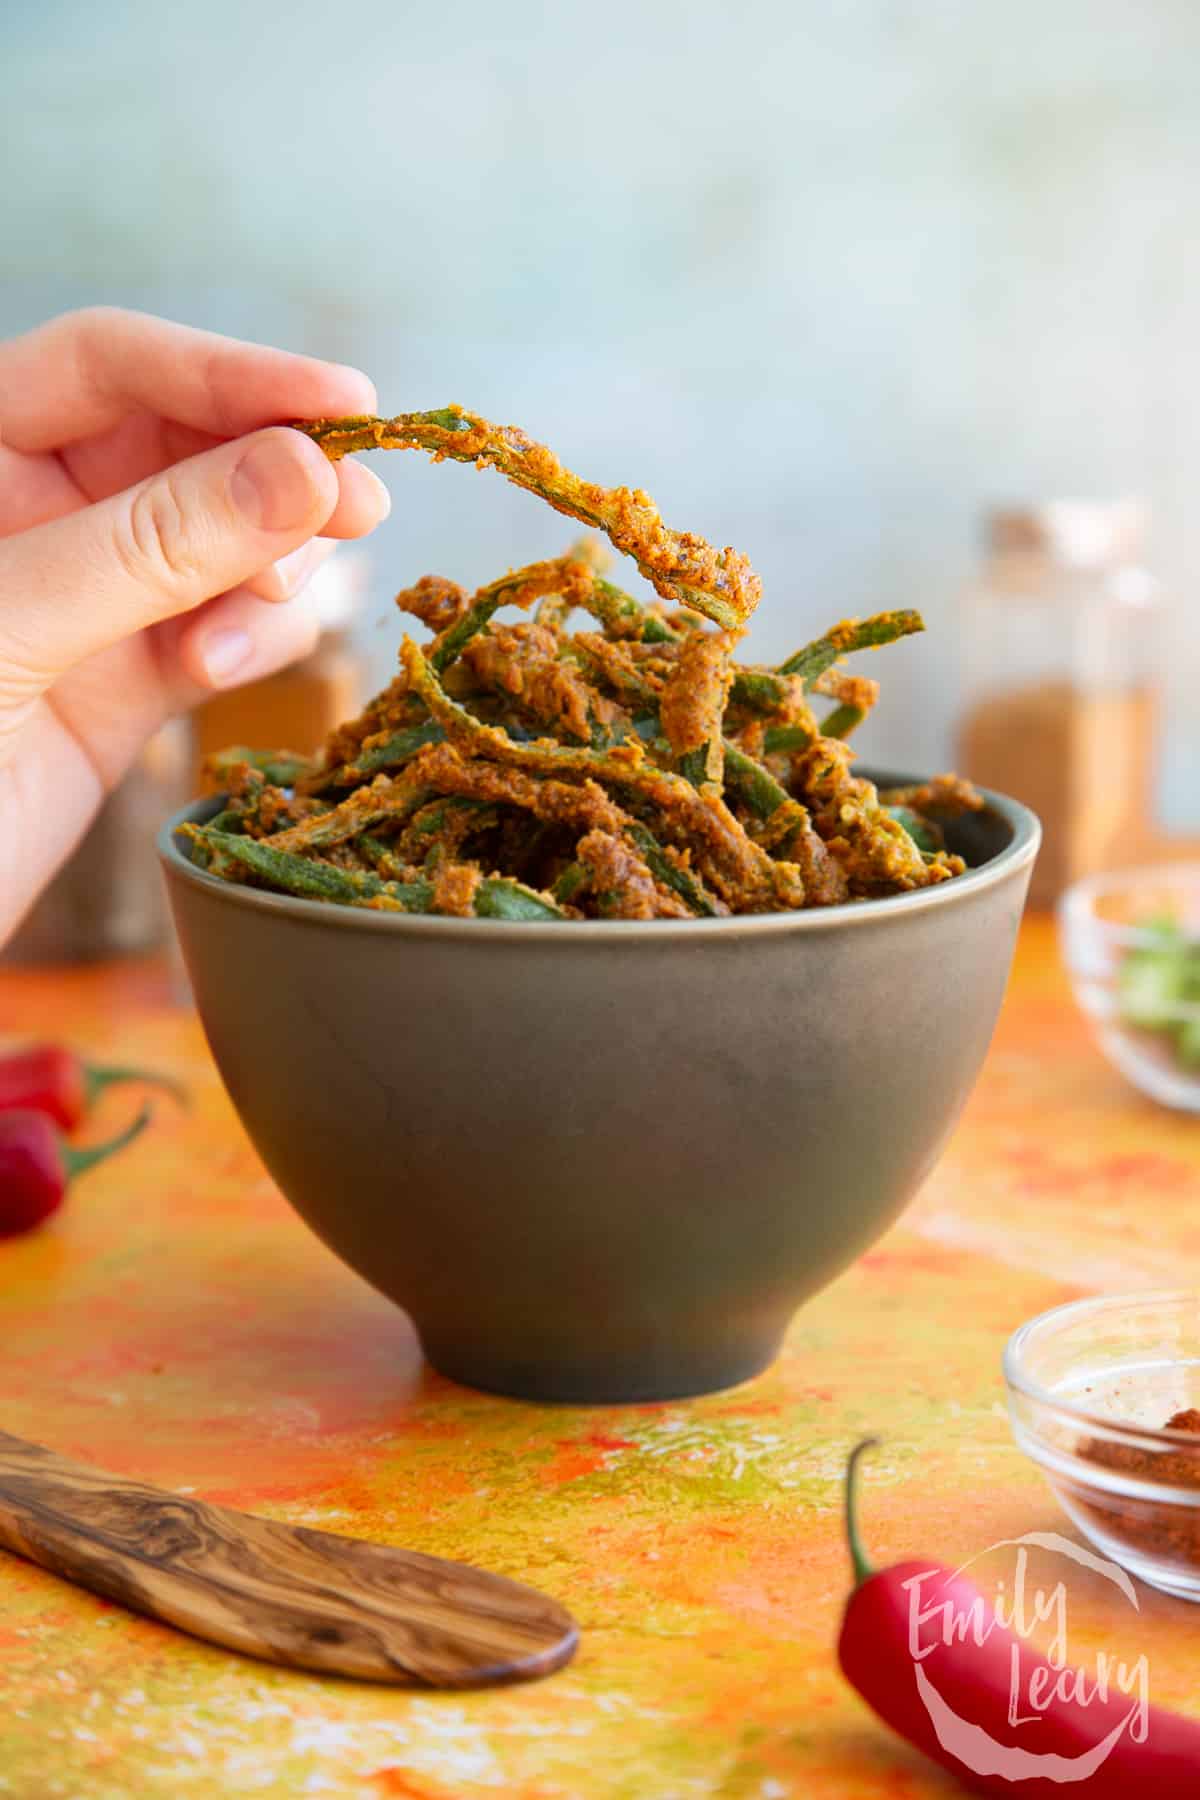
{"points": [[79, 584]]}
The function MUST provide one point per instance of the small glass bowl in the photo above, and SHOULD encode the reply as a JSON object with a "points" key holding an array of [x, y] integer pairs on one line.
{"points": [[1110, 942], [1090, 1388]]}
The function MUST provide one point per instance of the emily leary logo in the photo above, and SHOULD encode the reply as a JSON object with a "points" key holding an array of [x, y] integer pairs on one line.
{"points": [[1035, 1681]]}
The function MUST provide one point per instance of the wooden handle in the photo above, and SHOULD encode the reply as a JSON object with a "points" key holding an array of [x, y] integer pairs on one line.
{"points": [[307, 1599]]}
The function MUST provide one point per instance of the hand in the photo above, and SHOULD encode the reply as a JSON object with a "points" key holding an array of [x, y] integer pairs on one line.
{"points": [[145, 542]]}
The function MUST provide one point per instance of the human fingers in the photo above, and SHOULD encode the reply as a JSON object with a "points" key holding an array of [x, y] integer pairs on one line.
{"points": [[70, 588], [239, 638], [83, 372]]}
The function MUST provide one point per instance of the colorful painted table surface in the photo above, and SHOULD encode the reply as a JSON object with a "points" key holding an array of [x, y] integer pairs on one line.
{"points": [[178, 1323]]}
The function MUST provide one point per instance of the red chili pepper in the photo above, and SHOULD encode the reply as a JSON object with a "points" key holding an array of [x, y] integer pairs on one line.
{"points": [[36, 1166], [51, 1079], [952, 1696]]}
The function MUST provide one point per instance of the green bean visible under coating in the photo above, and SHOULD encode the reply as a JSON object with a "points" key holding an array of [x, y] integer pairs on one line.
{"points": [[381, 855], [753, 784], [228, 820], [277, 767], [569, 883], [669, 873], [850, 635], [394, 799], [758, 690], [924, 835], [623, 617], [631, 768], [495, 898], [516, 589], [553, 610], [842, 721], [779, 738], [682, 567], [728, 847], [309, 877], [379, 756]]}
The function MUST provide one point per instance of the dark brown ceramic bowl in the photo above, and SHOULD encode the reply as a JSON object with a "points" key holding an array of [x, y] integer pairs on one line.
{"points": [[603, 1161]]}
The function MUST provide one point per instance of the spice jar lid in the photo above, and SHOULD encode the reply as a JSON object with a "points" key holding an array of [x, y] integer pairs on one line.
{"points": [[1080, 534]]}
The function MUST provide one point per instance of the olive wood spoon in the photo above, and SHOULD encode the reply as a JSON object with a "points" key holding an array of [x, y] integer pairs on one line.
{"points": [[307, 1599]]}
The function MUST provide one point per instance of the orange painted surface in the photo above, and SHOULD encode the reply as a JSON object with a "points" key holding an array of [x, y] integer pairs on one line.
{"points": [[177, 1322]]}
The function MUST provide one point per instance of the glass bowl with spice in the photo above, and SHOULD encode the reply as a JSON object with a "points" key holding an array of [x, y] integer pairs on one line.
{"points": [[1131, 943], [1104, 1395]]}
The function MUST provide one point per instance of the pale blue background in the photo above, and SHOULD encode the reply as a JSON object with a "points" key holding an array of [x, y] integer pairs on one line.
{"points": [[825, 278]]}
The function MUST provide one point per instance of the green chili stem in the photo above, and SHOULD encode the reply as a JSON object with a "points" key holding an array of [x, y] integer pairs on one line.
{"points": [[75, 1161], [863, 1569], [97, 1077]]}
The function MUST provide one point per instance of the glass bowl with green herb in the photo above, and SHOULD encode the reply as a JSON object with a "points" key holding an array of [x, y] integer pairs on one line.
{"points": [[1131, 943]]}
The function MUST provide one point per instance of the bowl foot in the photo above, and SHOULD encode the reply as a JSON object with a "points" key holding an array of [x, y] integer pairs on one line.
{"points": [[617, 1380]]}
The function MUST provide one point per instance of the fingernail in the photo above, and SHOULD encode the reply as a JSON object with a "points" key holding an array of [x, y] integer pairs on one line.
{"points": [[223, 653], [293, 570], [379, 493], [281, 482]]}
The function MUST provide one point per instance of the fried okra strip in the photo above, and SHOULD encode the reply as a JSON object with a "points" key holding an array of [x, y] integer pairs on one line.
{"points": [[692, 707], [439, 831], [621, 883], [495, 897], [874, 849], [257, 807], [561, 575], [850, 635], [525, 665], [945, 797], [623, 617], [780, 738], [842, 721], [389, 711], [394, 799], [672, 874], [437, 602], [555, 609], [857, 695], [582, 806], [680, 565], [281, 768], [742, 873], [382, 754], [923, 832], [755, 786]]}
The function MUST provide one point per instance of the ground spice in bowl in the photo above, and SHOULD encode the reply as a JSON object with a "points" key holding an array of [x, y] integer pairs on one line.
{"points": [[1155, 1529]]}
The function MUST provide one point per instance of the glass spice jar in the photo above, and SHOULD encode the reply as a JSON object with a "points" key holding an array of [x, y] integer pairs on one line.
{"points": [[1060, 700], [108, 898], [298, 707]]}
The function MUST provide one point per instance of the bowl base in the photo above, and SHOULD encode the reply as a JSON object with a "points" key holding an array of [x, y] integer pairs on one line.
{"points": [[615, 1381]]}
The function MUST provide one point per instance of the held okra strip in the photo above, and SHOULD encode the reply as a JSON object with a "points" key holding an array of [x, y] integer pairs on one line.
{"points": [[682, 567]]}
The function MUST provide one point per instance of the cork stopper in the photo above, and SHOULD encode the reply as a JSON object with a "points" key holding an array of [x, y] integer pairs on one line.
{"points": [[1077, 534]]}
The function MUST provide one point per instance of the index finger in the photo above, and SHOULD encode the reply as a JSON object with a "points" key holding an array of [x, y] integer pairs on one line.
{"points": [[83, 372]]}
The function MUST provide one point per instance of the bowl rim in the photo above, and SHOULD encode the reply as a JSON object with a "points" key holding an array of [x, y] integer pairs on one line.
{"points": [[1015, 857], [1019, 1381]]}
